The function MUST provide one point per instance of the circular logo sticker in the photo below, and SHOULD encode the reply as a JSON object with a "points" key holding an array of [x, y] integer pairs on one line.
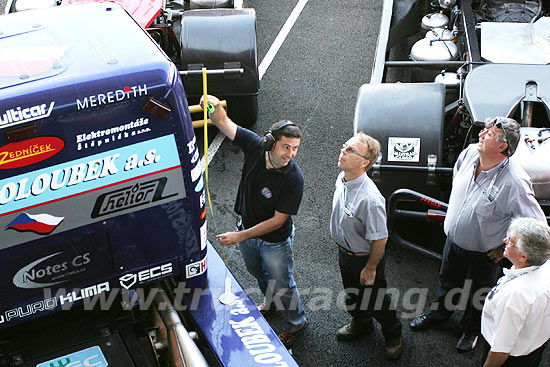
{"points": [[267, 193]]}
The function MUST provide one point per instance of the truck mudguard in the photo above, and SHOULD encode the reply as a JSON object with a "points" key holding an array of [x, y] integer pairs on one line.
{"points": [[220, 39]]}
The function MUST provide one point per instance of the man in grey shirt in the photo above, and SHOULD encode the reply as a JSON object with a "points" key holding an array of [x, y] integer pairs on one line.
{"points": [[358, 226], [489, 190]]}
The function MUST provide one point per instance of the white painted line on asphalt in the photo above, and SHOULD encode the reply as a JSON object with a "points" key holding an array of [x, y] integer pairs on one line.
{"points": [[264, 65], [281, 37], [213, 148]]}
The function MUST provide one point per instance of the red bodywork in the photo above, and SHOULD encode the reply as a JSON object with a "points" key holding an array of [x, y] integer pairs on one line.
{"points": [[143, 11]]}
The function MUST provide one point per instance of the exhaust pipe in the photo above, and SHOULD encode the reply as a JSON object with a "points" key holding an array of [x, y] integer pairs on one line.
{"points": [[183, 350]]}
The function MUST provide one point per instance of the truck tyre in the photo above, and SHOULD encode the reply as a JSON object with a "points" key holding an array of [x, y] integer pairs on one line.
{"points": [[210, 4], [243, 110]]}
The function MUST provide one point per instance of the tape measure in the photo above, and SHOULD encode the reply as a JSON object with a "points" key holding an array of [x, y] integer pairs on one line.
{"points": [[209, 108]]}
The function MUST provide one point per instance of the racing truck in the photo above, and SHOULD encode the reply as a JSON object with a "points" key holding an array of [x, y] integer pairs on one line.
{"points": [[441, 68], [219, 35], [104, 252]]}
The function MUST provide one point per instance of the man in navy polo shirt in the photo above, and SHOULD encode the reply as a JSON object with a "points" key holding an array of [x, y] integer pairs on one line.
{"points": [[270, 192]]}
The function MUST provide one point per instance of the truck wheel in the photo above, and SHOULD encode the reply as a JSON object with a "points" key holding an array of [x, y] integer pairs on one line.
{"points": [[243, 110]]}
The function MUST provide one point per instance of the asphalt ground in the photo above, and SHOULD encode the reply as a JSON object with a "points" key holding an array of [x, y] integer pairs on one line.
{"points": [[313, 81]]}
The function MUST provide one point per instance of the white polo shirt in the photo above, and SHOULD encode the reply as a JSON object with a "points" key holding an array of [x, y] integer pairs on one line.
{"points": [[516, 314]]}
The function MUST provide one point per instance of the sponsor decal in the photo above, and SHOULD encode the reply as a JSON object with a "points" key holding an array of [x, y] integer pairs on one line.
{"points": [[249, 331], [196, 268], [88, 174], [89, 357], [266, 192], [202, 200], [80, 294], [199, 186], [99, 137], [130, 197], [109, 97], [403, 149], [192, 145], [21, 115], [127, 281], [38, 275], [204, 233], [52, 302], [38, 223], [27, 152], [194, 151], [30, 309], [29, 60], [196, 172], [195, 157]]}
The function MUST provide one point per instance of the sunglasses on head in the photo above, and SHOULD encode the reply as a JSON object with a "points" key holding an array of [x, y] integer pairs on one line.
{"points": [[500, 125]]}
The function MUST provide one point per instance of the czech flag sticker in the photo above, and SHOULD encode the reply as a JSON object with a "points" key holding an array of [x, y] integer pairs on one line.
{"points": [[39, 223]]}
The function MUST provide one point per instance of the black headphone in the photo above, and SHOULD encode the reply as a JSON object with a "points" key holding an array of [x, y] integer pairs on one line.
{"points": [[268, 142]]}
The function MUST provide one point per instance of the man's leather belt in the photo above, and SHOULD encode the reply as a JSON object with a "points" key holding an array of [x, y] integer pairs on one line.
{"points": [[349, 253]]}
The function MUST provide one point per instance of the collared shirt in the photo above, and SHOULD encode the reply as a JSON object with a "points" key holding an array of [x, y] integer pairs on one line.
{"points": [[481, 209], [358, 214], [515, 318]]}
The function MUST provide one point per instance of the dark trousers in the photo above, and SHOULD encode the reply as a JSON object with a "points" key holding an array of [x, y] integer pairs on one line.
{"points": [[532, 359], [463, 273], [365, 302]]}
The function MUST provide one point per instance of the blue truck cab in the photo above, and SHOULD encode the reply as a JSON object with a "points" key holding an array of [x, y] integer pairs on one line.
{"points": [[101, 195]]}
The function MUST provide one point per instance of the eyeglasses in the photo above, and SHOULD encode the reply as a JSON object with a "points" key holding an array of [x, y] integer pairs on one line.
{"points": [[508, 242], [349, 150]]}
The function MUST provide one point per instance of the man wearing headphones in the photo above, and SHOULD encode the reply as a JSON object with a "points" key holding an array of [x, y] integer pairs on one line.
{"points": [[270, 192]]}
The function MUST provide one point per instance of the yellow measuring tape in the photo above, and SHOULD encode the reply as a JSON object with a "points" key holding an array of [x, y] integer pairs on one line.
{"points": [[205, 118]]}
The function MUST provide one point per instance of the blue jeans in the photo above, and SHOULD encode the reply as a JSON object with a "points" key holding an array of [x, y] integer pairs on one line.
{"points": [[272, 265]]}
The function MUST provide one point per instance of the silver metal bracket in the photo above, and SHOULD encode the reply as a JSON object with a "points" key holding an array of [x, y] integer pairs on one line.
{"points": [[231, 70], [531, 92], [432, 162], [376, 169], [156, 345]]}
